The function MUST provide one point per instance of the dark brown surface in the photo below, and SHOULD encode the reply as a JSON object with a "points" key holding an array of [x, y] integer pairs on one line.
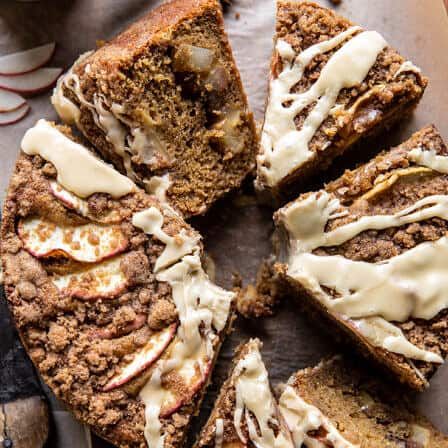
{"points": [[236, 236]]}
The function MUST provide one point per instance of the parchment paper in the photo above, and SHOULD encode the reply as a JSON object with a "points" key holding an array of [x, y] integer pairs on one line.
{"points": [[238, 237]]}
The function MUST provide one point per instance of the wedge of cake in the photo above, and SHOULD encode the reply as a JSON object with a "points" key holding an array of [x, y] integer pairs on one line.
{"points": [[331, 83], [369, 252], [339, 403], [163, 102], [108, 292], [246, 413]]}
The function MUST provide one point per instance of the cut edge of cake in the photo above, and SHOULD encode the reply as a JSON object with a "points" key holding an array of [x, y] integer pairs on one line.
{"points": [[246, 411], [311, 116], [164, 102], [342, 403], [324, 239]]}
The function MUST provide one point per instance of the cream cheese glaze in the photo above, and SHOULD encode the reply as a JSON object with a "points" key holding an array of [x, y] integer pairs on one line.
{"points": [[284, 147], [78, 170], [219, 432], [416, 279], [302, 417], [203, 310], [66, 109], [254, 398], [127, 138], [151, 222]]}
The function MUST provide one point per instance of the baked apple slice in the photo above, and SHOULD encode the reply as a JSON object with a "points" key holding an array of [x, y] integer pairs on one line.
{"points": [[193, 373], [79, 205], [144, 358], [102, 281], [69, 199], [88, 243]]}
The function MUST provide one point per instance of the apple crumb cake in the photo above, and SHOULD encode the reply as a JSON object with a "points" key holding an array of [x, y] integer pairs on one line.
{"points": [[369, 253], [246, 413], [331, 83], [108, 293], [339, 403], [163, 101]]}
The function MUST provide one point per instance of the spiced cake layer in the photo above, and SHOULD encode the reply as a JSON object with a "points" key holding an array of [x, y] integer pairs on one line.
{"points": [[163, 101], [107, 290], [246, 413], [341, 403], [368, 253], [331, 84]]}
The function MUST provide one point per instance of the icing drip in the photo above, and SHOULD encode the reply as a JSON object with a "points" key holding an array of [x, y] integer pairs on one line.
{"points": [[254, 398], [79, 171], [429, 159], [203, 310], [151, 222], [153, 395], [66, 109], [126, 139], [114, 131], [284, 147], [302, 418], [219, 432], [158, 186], [407, 66], [416, 279]]}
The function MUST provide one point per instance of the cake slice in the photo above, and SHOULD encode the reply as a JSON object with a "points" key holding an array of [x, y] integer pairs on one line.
{"points": [[108, 292], [369, 253], [246, 413], [163, 101], [339, 403], [331, 84]]}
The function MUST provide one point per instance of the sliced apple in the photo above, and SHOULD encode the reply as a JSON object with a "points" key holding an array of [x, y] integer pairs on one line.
{"points": [[79, 205], [26, 61], [88, 243], [14, 116], [31, 83], [69, 199], [144, 358], [10, 101], [194, 372], [102, 281]]}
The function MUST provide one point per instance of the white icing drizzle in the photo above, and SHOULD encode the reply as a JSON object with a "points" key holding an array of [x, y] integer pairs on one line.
{"points": [[203, 310], [114, 131], [137, 141], [151, 222], [79, 171], [407, 66], [416, 279], [430, 159], [158, 186], [219, 432], [66, 109], [302, 417], [285, 148], [254, 397]]}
